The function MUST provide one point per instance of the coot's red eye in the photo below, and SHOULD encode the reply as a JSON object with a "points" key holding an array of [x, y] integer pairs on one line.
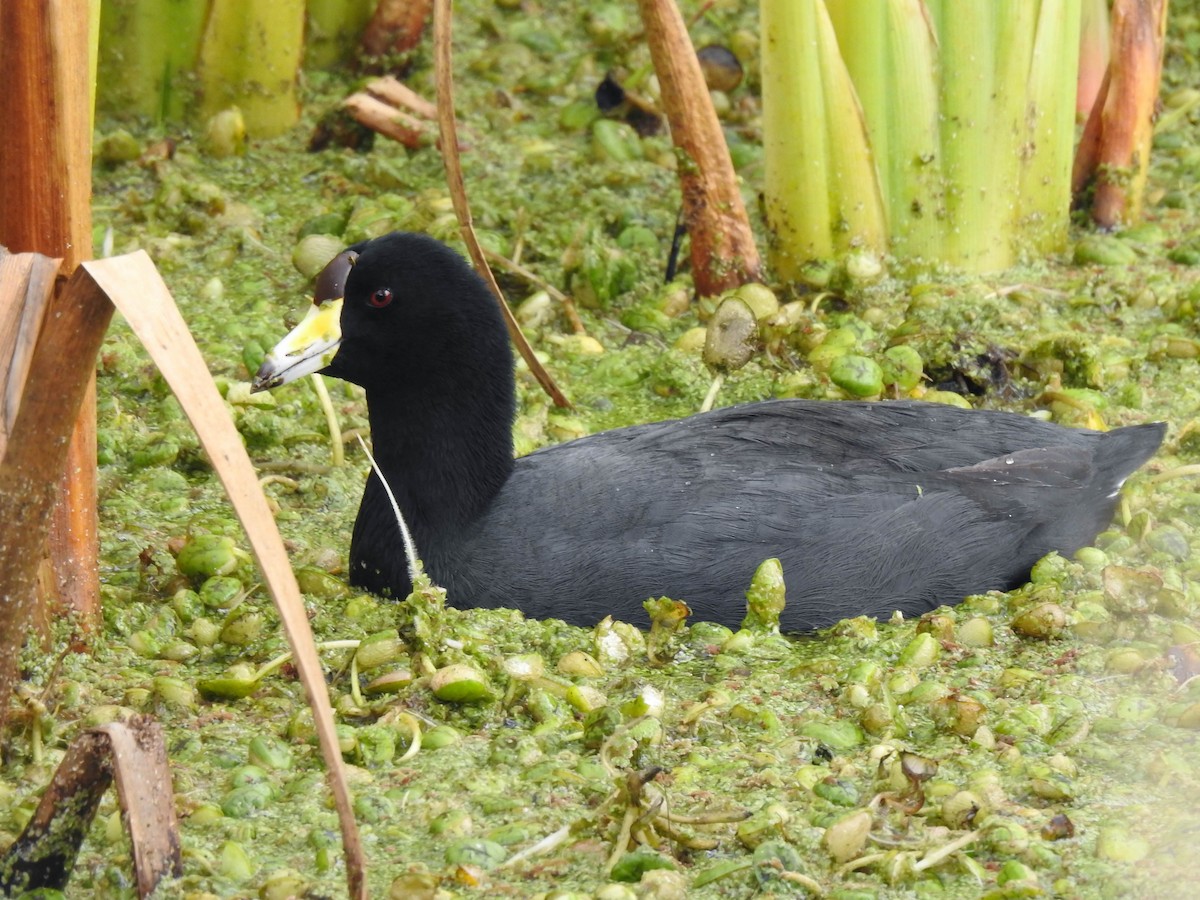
{"points": [[380, 298]]}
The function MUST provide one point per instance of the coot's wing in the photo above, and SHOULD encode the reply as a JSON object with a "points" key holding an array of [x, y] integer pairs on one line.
{"points": [[689, 509], [884, 436], [624, 521]]}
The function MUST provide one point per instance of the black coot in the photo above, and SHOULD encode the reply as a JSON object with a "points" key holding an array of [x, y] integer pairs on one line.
{"points": [[872, 507]]}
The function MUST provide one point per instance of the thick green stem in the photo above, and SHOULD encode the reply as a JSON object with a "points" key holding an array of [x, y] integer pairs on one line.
{"points": [[148, 50], [250, 59], [1050, 129], [334, 30], [822, 192], [891, 53]]}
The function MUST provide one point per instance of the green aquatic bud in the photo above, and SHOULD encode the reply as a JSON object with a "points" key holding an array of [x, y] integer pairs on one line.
{"points": [[375, 745], [247, 800], [316, 582], [836, 735], [187, 604], [475, 852], [206, 555], [204, 631], [205, 814], [836, 791], [271, 753], [225, 134], [220, 591], [858, 376], [235, 863], [238, 681], [585, 698], [902, 367], [1045, 621], [524, 667], [1116, 844], [1005, 837], [614, 141], [173, 692], [391, 682], [922, 651], [178, 651], [452, 823], [949, 398], [926, 693], [283, 885], [975, 632], [107, 713], [846, 838], [759, 298], [243, 626], [763, 825], [460, 683], [1014, 873], [862, 267], [1104, 250], [732, 336], [878, 719], [578, 664], [836, 343], [145, 644], [440, 736], [617, 642], [117, 147], [414, 885], [959, 810], [938, 624], [1124, 661], [313, 252], [646, 701], [378, 649], [766, 597], [374, 808]]}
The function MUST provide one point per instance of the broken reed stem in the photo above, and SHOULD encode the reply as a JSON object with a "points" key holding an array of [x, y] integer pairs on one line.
{"points": [[1127, 127], [395, 27], [448, 131], [384, 119], [724, 255], [567, 303]]}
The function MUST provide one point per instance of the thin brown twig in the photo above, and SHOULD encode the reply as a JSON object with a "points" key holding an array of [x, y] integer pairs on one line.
{"points": [[567, 302], [448, 132]]}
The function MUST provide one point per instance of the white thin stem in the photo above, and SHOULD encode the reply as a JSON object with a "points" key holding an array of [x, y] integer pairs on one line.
{"points": [[410, 549]]}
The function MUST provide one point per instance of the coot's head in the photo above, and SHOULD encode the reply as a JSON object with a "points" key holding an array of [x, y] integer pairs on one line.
{"points": [[396, 313]]}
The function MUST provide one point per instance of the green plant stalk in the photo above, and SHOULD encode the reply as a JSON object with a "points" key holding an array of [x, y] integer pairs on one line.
{"points": [[968, 66], [984, 48], [822, 193], [334, 28], [855, 203], [1050, 129], [250, 58], [891, 53], [148, 48], [794, 160], [861, 29]]}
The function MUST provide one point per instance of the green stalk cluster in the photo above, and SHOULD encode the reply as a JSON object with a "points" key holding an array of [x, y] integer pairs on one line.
{"points": [[174, 60], [250, 56], [148, 49], [958, 115]]}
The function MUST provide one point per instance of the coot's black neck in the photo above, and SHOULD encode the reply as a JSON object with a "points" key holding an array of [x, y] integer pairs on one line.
{"points": [[445, 450]]}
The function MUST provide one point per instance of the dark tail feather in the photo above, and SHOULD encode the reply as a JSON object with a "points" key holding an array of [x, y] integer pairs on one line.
{"points": [[1124, 451]]}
